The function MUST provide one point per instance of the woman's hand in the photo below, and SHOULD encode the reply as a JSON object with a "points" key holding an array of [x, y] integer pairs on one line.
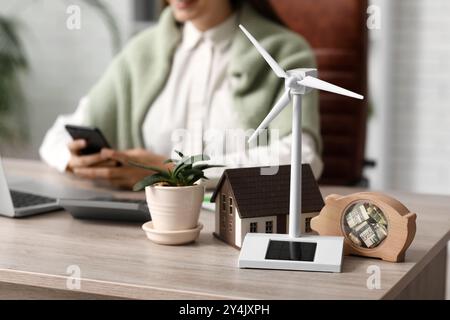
{"points": [[84, 161], [124, 176]]}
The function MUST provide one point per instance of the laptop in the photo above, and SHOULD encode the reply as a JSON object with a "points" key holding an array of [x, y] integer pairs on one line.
{"points": [[18, 199], [17, 204]]}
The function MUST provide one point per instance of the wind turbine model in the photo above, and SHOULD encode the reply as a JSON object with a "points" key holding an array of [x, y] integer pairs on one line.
{"points": [[293, 251]]}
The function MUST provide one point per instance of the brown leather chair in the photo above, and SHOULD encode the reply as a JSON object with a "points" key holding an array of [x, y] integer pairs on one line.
{"points": [[336, 29]]}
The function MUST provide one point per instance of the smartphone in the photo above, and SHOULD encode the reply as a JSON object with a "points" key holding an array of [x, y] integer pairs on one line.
{"points": [[95, 140]]}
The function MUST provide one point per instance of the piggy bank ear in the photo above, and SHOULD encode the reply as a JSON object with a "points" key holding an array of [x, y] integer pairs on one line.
{"points": [[410, 216], [332, 198]]}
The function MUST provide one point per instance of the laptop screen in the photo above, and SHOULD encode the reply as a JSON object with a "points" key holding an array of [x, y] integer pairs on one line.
{"points": [[6, 204]]}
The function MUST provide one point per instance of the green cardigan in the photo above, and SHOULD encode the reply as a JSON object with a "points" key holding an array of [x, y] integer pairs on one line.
{"points": [[120, 100]]}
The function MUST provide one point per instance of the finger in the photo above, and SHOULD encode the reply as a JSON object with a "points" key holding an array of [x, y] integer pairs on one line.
{"points": [[115, 155], [107, 153], [106, 163], [138, 152], [99, 173], [85, 161], [76, 145]]}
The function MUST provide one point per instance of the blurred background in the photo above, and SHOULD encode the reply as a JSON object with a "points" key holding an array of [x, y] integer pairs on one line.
{"points": [[46, 67], [409, 79]]}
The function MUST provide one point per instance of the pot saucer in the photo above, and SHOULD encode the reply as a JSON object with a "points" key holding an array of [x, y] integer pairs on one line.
{"points": [[171, 237]]}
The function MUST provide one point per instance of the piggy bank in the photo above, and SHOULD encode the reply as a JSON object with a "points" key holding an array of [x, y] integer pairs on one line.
{"points": [[372, 224]]}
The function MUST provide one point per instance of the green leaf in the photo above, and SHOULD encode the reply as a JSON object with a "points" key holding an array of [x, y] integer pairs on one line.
{"points": [[194, 178], [149, 181], [179, 153], [189, 176], [180, 168], [143, 166], [184, 173], [169, 161], [193, 159], [190, 171]]}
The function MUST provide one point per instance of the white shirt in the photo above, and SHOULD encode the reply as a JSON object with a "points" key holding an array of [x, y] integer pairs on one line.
{"points": [[194, 112]]}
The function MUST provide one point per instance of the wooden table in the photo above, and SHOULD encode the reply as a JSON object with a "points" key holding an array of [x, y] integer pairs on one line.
{"points": [[117, 261]]}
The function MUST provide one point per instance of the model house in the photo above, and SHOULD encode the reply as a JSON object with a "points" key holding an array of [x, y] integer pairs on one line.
{"points": [[249, 201]]}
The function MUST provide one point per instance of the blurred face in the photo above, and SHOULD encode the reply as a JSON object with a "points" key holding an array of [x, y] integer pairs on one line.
{"points": [[199, 10]]}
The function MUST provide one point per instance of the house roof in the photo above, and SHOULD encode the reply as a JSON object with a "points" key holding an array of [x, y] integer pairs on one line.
{"points": [[258, 195]]}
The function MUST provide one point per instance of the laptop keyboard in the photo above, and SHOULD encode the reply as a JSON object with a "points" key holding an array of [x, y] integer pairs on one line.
{"points": [[22, 199]]}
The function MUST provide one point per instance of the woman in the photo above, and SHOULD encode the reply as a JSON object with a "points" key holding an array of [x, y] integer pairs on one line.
{"points": [[193, 75]]}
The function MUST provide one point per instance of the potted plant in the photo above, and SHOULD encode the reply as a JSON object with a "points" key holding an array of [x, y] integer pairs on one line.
{"points": [[174, 197]]}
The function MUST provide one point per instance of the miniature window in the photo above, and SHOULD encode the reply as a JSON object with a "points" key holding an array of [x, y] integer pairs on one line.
{"points": [[253, 227], [308, 225], [365, 224], [269, 227], [230, 227], [230, 206], [223, 202]]}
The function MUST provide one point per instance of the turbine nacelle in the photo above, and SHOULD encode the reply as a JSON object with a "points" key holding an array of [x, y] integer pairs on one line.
{"points": [[293, 78]]}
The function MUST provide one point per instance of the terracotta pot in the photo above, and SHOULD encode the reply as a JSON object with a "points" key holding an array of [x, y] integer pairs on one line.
{"points": [[175, 208]]}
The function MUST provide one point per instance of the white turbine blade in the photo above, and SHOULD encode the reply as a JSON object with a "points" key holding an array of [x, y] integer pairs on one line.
{"points": [[315, 83], [272, 63], [279, 106]]}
